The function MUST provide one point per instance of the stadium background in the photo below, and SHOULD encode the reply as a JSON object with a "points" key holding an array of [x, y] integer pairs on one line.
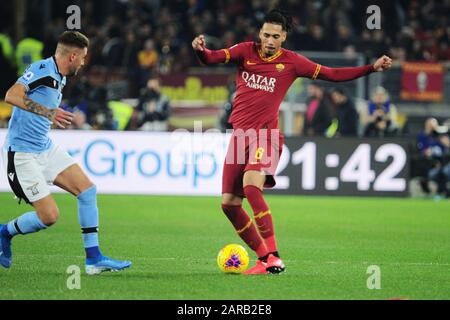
{"points": [[126, 150], [134, 41]]}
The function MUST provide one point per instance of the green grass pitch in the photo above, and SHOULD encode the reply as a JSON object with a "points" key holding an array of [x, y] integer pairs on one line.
{"points": [[327, 245]]}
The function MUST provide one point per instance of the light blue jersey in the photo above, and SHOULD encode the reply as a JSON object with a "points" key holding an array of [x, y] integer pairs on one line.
{"points": [[27, 131]]}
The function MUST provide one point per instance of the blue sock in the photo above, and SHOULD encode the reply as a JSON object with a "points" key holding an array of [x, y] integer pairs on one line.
{"points": [[4, 232], [93, 253], [88, 218], [27, 223]]}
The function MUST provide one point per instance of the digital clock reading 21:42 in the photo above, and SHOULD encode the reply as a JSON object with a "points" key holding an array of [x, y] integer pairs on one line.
{"points": [[344, 166]]}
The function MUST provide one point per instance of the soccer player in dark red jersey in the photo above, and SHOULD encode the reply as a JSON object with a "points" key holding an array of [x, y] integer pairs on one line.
{"points": [[265, 73]]}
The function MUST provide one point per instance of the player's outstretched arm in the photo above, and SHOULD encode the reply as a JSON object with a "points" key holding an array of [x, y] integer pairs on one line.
{"points": [[346, 74], [207, 56], [17, 96]]}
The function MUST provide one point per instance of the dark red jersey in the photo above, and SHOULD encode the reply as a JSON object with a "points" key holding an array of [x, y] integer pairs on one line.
{"points": [[262, 83]]}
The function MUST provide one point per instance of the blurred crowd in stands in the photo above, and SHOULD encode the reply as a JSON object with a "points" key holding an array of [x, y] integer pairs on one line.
{"points": [[148, 38], [154, 36], [432, 164], [140, 40], [333, 113]]}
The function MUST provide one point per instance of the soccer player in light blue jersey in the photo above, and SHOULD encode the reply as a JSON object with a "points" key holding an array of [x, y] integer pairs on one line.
{"points": [[33, 161]]}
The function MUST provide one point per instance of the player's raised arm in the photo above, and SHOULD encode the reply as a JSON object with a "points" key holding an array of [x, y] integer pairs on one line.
{"points": [[307, 68], [207, 56], [17, 96]]}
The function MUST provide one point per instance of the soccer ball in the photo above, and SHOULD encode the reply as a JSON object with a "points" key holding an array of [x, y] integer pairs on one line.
{"points": [[233, 258]]}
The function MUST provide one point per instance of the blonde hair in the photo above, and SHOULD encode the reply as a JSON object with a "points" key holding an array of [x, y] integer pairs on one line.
{"points": [[382, 91]]}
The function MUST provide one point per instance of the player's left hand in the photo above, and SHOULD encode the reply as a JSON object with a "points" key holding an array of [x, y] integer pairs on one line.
{"points": [[62, 118], [382, 63]]}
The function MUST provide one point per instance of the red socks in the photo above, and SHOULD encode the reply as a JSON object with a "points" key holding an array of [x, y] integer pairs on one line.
{"points": [[245, 228], [263, 217]]}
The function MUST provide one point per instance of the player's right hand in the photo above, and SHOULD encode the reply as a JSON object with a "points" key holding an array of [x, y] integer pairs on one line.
{"points": [[199, 43], [62, 118]]}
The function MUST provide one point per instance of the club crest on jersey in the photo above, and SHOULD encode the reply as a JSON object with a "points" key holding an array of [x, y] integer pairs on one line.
{"points": [[256, 81], [279, 67]]}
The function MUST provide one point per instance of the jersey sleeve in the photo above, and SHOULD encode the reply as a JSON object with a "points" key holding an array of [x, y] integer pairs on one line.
{"points": [[35, 75], [233, 54], [305, 67], [236, 53]]}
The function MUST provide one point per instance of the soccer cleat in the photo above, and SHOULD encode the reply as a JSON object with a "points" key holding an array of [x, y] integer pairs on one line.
{"points": [[5, 250], [259, 268], [105, 264], [274, 264]]}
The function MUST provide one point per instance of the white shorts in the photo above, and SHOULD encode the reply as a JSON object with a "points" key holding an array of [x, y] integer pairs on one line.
{"points": [[30, 174]]}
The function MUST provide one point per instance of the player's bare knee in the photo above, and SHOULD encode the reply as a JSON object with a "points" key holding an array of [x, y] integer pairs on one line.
{"points": [[52, 217], [231, 200], [88, 195], [49, 216], [254, 178], [85, 187]]}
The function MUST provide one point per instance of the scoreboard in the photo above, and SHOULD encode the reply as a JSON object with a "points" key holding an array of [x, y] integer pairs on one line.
{"points": [[345, 166]]}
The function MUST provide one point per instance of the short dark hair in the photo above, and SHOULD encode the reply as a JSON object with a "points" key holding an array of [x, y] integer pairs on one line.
{"points": [[280, 17], [340, 91], [74, 39]]}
